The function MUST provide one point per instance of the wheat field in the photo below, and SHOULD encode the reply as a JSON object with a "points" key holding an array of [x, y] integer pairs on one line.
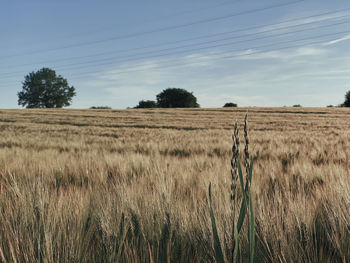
{"points": [[132, 185]]}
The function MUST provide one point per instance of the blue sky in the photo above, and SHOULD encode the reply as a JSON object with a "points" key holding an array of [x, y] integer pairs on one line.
{"points": [[116, 53]]}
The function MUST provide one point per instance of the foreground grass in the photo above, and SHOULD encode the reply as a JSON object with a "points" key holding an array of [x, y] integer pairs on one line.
{"points": [[131, 185]]}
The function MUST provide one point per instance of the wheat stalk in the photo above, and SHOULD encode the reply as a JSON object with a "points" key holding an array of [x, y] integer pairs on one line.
{"points": [[246, 207], [234, 179], [246, 151]]}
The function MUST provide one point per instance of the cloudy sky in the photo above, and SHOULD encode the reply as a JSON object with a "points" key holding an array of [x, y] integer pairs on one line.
{"points": [[116, 53]]}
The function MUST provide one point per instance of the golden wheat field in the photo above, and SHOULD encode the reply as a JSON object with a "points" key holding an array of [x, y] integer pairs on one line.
{"points": [[132, 185]]}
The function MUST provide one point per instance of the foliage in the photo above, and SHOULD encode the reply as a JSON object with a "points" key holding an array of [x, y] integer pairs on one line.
{"points": [[44, 89], [176, 98], [146, 104], [347, 100], [100, 108], [230, 104], [297, 106]]}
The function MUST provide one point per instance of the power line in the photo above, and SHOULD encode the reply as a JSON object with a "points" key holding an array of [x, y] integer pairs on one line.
{"points": [[207, 36], [221, 4], [162, 29], [207, 47], [130, 58], [208, 42], [226, 55], [233, 56], [224, 3]]}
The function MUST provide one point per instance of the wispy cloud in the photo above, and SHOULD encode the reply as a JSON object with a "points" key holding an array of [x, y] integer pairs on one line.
{"points": [[249, 78], [293, 23], [282, 55], [347, 37]]}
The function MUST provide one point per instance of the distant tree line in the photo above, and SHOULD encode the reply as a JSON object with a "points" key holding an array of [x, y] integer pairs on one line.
{"points": [[45, 89], [230, 105], [171, 98], [100, 108], [174, 98]]}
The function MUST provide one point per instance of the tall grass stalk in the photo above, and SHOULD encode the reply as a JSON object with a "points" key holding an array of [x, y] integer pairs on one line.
{"points": [[246, 206]]}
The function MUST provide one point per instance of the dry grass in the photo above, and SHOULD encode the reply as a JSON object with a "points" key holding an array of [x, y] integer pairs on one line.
{"points": [[131, 185]]}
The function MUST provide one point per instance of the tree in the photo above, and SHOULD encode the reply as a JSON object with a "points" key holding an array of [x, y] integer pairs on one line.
{"points": [[347, 100], [176, 98], [44, 89], [230, 104], [146, 104]]}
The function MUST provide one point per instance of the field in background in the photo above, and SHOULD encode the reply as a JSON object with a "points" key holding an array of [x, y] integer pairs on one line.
{"points": [[132, 185]]}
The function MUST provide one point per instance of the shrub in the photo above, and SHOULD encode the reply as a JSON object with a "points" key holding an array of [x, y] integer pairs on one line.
{"points": [[230, 104], [176, 98], [146, 104], [100, 108]]}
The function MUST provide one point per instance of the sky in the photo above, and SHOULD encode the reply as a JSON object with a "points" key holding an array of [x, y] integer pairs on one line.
{"points": [[115, 53]]}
